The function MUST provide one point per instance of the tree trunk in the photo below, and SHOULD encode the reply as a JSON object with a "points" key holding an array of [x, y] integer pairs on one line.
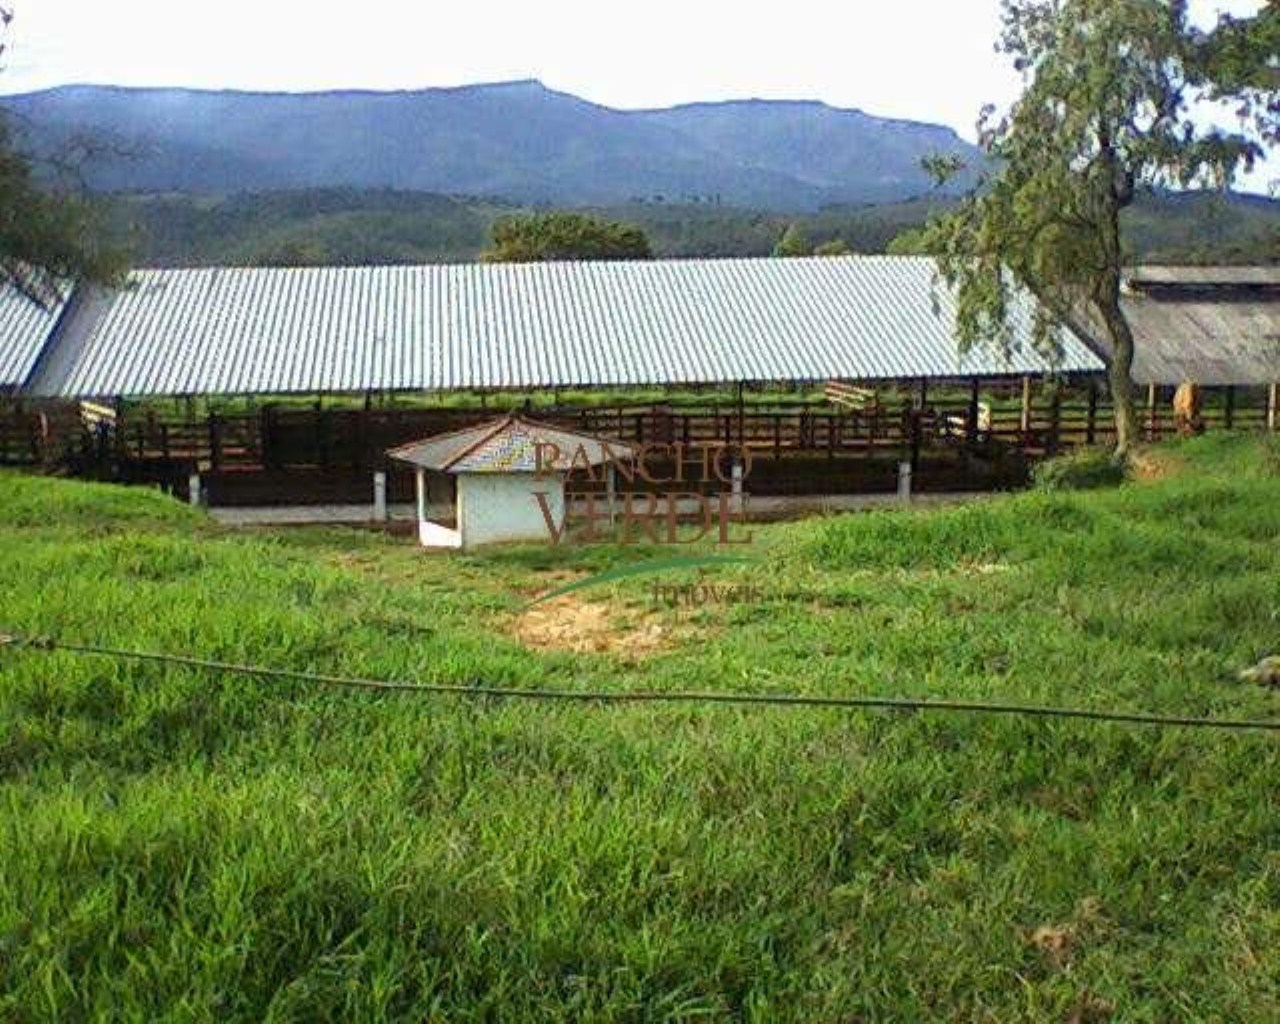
{"points": [[1119, 375], [1118, 195]]}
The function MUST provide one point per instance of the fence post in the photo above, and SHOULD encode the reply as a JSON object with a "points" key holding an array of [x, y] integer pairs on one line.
{"points": [[917, 431], [215, 441], [1091, 425], [322, 437], [971, 426], [1273, 408], [420, 500], [380, 496], [742, 414], [904, 481], [1024, 423], [1229, 413], [1153, 412], [1055, 423], [193, 490], [267, 436]]}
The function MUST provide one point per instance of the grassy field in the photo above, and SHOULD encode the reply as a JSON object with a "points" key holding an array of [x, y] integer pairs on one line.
{"points": [[181, 846]]}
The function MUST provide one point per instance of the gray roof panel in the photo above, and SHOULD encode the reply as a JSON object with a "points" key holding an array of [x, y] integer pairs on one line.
{"points": [[1224, 277], [478, 326], [25, 327]]}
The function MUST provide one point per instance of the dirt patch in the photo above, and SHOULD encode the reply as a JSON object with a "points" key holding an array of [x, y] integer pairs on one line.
{"points": [[572, 624], [1145, 464], [1058, 943], [1055, 942]]}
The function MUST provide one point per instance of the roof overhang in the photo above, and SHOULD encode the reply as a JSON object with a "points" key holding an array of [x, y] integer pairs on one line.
{"points": [[512, 444]]}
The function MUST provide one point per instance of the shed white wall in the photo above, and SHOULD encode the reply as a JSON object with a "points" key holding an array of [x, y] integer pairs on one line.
{"points": [[494, 507]]}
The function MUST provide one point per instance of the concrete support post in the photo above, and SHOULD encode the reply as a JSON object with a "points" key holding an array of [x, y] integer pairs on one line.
{"points": [[193, 490], [904, 481], [736, 485], [380, 497], [420, 493], [1273, 408]]}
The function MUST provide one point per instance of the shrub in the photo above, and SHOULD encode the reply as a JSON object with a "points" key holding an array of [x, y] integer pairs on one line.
{"points": [[1084, 470]]}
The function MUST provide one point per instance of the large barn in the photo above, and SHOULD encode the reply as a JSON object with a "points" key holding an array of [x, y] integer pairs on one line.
{"points": [[335, 330], [256, 377]]}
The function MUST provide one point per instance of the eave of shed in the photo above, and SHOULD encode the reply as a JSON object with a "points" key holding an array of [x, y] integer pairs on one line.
{"points": [[510, 444]]}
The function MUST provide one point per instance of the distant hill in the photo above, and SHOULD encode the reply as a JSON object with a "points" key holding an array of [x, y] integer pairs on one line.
{"points": [[518, 140], [1205, 227], [350, 226]]}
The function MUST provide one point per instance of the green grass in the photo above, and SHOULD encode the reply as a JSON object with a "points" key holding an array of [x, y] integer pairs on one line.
{"points": [[180, 846]]}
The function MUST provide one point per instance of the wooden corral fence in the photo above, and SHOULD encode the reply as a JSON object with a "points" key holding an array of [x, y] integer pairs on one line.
{"points": [[40, 436], [20, 438], [276, 437], [355, 438], [1010, 424]]}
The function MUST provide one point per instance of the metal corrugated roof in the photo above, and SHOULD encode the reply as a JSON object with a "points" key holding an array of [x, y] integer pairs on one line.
{"points": [[1230, 276], [479, 326], [25, 326], [1207, 341]]}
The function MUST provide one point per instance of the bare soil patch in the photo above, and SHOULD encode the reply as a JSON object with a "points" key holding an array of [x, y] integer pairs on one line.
{"points": [[579, 626], [1146, 464]]}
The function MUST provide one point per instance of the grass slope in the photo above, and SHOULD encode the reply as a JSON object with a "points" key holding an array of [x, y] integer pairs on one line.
{"points": [[177, 846]]}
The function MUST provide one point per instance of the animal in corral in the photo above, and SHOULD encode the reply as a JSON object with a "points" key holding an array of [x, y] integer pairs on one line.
{"points": [[984, 418], [957, 424], [1188, 402]]}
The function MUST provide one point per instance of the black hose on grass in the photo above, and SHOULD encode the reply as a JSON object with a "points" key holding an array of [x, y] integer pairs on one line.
{"points": [[44, 643]]}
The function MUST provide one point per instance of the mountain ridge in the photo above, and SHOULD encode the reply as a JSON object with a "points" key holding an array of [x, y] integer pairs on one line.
{"points": [[518, 139]]}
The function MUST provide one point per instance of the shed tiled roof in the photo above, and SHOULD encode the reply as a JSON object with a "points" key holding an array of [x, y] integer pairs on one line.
{"points": [[509, 445]]}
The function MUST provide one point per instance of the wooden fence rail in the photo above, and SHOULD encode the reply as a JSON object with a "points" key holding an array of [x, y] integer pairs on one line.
{"points": [[291, 438]]}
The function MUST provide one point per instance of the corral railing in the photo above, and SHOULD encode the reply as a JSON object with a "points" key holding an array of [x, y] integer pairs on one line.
{"points": [[289, 438]]}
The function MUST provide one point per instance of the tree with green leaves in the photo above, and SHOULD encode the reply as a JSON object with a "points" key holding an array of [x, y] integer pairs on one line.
{"points": [[1110, 88], [1243, 54], [541, 237], [794, 242], [48, 234], [835, 247], [907, 243], [293, 252]]}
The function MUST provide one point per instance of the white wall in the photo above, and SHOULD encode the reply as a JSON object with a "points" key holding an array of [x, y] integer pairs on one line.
{"points": [[495, 507]]}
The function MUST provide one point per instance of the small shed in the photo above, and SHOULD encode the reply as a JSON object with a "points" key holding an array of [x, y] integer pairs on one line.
{"points": [[510, 475]]}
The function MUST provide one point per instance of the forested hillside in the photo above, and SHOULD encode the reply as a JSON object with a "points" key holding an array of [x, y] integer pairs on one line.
{"points": [[350, 226]]}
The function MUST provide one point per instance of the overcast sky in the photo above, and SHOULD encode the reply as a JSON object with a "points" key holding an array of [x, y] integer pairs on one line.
{"points": [[928, 60]]}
